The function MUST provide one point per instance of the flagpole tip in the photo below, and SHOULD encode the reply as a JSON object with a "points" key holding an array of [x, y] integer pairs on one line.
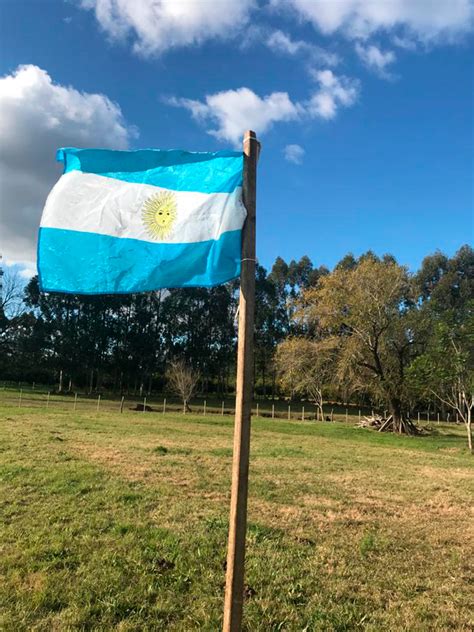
{"points": [[250, 136]]}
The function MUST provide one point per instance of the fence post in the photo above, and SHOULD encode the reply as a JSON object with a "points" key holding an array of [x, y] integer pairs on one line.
{"points": [[418, 416], [302, 413], [347, 415], [204, 408], [289, 412], [164, 405], [144, 404], [428, 416], [257, 410], [121, 403], [332, 414], [438, 418], [47, 401], [222, 410], [273, 411], [75, 401], [98, 403], [33, 386], [359, 416], [19, 399]]}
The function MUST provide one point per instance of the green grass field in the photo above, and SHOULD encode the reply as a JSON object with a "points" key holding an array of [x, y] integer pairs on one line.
{"points": [[119, 522]]}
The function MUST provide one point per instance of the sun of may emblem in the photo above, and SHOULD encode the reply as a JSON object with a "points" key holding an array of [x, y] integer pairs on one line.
{"points": [[159, 214]]}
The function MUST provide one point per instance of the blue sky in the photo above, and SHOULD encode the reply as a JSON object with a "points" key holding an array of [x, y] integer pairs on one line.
{"points": [[365, 115]]}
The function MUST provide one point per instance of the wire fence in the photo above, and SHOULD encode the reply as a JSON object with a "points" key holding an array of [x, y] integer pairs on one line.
{"points": [[34, 398]]}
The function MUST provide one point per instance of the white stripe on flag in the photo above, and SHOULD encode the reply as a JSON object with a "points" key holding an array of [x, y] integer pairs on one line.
{"points": [[97, 204]]}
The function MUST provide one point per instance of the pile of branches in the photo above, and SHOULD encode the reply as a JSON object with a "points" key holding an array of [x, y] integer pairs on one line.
{"points": [[387, 424]]}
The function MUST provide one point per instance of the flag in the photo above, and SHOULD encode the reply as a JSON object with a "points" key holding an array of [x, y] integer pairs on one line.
{"points": [[134, 221]]}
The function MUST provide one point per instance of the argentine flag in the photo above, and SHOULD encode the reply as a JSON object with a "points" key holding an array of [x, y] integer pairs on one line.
{"points": [[135, 221]]}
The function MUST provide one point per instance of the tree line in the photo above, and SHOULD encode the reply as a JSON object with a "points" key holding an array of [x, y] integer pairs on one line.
{"points": [[369, 331]]}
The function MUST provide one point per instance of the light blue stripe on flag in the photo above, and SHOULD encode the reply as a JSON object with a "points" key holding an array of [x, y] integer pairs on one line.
{"points": [[89, 263], [205, 172]]}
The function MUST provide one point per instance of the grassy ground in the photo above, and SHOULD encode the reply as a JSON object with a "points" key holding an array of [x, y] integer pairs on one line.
{"points": [[119, 522]]}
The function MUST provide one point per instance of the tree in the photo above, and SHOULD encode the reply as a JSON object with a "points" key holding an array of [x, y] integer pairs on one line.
{"points": [[446, 369], [306, 367], [369, 311], [446, 284], [11, 294], [183, 380]]}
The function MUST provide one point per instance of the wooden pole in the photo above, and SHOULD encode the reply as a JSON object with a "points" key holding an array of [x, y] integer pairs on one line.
{"points": [[204, 408], [75, 401], [273, 411], [234, 590], [121, 404]]}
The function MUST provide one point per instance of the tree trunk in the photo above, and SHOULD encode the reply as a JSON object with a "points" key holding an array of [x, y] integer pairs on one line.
{"points": [[399, 423], [396, 412]]}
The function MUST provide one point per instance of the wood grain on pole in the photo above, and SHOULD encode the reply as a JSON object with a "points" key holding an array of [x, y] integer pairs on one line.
{"points": [[234, 591]]}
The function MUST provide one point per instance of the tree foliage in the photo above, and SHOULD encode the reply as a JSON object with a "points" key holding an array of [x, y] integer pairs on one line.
{"points": [[368, 329]]}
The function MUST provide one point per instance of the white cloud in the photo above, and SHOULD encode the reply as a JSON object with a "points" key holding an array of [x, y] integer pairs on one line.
{"points": [[280, 42], [375, 58], [36, 117], [404, 42], [234, 111], [333, 92], [158, 25], [25, 269], [425, 20], [294, 154]]}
